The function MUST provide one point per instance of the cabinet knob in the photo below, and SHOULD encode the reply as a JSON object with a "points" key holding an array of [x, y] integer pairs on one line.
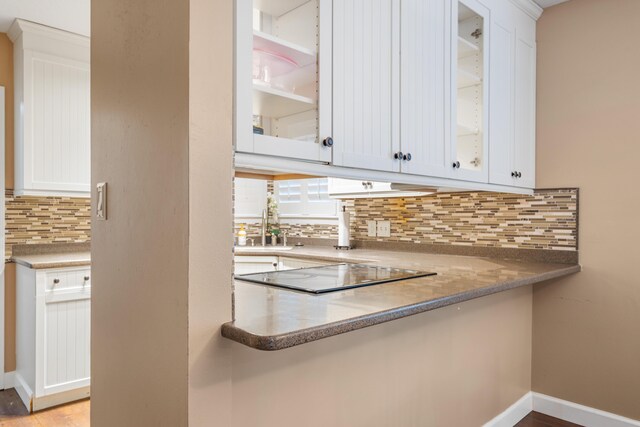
{"points": [[514, 174], [407, 157], [56, 281], [398, 156], [519, 174], [456, 165], [328, 142], [86, 278]]}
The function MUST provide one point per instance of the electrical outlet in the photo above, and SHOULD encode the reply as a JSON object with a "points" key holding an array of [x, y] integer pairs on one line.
{"points": [[384, 229], [372, 228]]}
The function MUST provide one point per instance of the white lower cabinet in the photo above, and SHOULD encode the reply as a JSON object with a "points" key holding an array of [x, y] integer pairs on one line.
{"points": [[53, 335], [263, 264], [255, 264]]}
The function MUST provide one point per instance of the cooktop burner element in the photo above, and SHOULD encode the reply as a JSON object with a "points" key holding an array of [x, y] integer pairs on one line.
{"points": [[330, 278]]}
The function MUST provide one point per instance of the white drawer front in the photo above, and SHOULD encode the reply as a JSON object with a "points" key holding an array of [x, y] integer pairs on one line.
{"points": [[68, 280]]}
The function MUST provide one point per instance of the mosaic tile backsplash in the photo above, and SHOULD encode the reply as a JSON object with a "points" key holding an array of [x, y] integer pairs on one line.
{"points": [[546, 220], [31, 219]]}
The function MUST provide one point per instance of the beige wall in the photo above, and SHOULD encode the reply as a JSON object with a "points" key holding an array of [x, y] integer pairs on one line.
{"points": [[6, 80], [457, 366], [140, 268], [586, 327]]}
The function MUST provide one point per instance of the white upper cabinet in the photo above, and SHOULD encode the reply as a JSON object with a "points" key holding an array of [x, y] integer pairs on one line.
{"points": [[513, 86], [424, 43], [366, 85], [52, 104], [283, 93], [431, 93]]}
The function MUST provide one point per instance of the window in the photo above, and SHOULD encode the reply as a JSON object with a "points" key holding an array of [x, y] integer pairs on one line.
{"points": [[250, 198], [305, 198]]}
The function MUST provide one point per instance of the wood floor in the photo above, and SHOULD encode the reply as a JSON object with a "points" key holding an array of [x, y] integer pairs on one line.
{"points": [[536, 419], [14, 414]]}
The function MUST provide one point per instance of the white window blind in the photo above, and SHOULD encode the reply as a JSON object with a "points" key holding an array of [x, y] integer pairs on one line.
{"points": [[306, 198]]}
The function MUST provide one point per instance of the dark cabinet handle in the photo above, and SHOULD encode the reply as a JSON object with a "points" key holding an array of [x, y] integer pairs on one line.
{"points": [[86, 278], [456, 165], [514, 174], [407, 157], [398, 155], [519, 174], [56, 281], [328, 142]]}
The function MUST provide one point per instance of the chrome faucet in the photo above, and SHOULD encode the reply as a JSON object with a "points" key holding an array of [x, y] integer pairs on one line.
{"points": [[264, 227]]}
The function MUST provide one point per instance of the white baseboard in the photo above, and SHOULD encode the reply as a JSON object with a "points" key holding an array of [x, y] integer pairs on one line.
{"points": [[513, 413], [558, 408], [24, 391], [579, 414]]}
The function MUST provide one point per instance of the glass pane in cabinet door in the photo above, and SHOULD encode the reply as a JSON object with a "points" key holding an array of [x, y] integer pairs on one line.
{"points": [[470, 94], [285, 69]]}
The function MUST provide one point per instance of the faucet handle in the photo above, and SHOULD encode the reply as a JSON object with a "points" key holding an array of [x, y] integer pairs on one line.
{"points": [[249, 239]]}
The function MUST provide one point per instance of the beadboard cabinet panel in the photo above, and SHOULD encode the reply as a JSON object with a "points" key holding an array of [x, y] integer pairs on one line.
{"points": [[59, 125], [502, 109], [52, 98], [424, 26], [366, 84], [67, 344], [525, 111]]}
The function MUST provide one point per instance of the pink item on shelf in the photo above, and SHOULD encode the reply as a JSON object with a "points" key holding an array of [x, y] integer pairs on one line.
{"points": [[268, 64]]}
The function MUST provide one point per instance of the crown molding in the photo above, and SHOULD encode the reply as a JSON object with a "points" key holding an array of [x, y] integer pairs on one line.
{"points": [[20, 27], [529, 7]]}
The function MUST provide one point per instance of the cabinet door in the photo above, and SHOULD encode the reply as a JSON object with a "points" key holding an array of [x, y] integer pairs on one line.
{"points": [[283, 94], [470, 83], [56, 150], [513, 62], [502, 139], [424, 41], [366, 84], [67, 341], [525, 105]]}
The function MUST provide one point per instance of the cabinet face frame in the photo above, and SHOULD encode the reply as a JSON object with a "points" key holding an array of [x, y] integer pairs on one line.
{"points": [[481, 176], [245, 140]]}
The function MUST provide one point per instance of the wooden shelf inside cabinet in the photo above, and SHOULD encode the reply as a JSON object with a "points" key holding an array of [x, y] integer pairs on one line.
{"points": [[299, 54], [466, 48], [274, 103], [277, 7], [466, 79]]}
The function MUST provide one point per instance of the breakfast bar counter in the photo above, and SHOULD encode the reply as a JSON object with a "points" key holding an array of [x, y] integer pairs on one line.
{"points": [[270, 318]]}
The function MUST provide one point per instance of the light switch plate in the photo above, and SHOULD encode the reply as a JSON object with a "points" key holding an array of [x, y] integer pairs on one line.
{"points": [[371, 228], [384, 229], [101, 203]]}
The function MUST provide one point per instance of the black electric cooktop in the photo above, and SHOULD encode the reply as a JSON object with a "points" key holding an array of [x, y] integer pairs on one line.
{"points": [[330, 278]]}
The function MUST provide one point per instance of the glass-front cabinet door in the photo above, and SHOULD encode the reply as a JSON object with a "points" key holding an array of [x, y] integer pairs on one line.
{"points": [[281, 82], [470, 60]]}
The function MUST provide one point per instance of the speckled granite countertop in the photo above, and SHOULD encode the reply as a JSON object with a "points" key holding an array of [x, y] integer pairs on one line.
{"points": [[268, 318], [53, 260]]}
